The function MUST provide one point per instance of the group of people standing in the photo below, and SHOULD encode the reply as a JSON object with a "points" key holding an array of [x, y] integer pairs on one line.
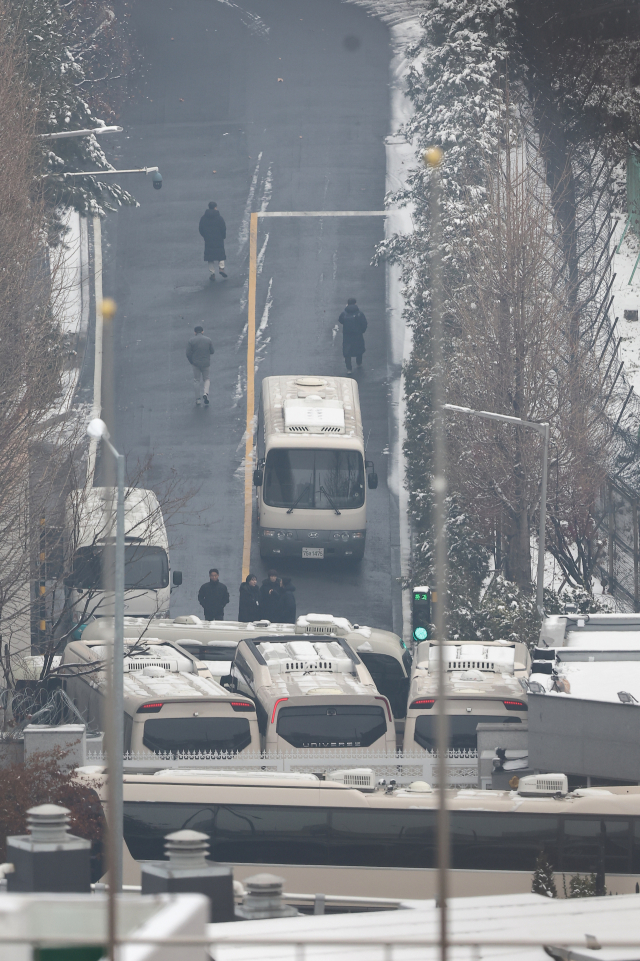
{"points": [[274, 600]]}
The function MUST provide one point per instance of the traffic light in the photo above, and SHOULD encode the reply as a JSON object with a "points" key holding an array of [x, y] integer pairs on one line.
{"points": [[421, 612]]}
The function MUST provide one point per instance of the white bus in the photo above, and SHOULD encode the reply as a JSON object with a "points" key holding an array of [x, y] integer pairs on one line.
{"points": [[483, 679], [147, 570], [323, 836], [312, 693], [310, 469], [171, 703]]}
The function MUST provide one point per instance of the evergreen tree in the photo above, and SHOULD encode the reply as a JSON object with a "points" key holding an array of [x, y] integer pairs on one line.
{"points": [[543, 882], [56, 75]]}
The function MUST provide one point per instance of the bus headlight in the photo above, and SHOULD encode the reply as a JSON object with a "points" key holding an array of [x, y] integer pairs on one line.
{"points": [[281, 535], [358, 534], [268, 533]]}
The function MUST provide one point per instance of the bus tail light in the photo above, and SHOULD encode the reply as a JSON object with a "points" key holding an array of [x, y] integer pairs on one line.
{"points": [[425, 702], [275, 707], [151, 708], [515, 705], [386, 705], [245, 706]]}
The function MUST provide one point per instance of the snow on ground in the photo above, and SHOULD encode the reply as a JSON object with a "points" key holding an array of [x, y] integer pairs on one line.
{"points": [[627, 297]]}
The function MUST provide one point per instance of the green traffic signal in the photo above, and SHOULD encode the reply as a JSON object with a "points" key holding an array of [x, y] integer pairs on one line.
{"points": [[420, 634]]}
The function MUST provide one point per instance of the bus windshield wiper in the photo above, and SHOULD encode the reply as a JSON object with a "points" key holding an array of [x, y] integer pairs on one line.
{"points": [[323, 491], [298, 499]]}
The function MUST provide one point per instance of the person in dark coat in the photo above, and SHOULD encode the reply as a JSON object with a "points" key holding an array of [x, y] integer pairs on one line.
{"points": [[354, 324], [213, 597], [270, 597], [199, 351], [214, 230], [287, 602], [249, 606]]}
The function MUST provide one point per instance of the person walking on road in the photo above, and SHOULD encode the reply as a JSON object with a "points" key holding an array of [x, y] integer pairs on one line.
{"points": [[249, 606], [214, 230], [287, 602], [199, 351], [213, 597], [354, 324], [270, 597]]}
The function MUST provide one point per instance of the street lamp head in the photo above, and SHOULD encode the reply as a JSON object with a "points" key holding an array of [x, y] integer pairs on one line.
{"points": [[97, 429], [157, 180]]}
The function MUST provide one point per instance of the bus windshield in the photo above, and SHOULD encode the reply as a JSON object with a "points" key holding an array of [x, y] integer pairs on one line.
{"points": [[145, 568], [314, 479]]}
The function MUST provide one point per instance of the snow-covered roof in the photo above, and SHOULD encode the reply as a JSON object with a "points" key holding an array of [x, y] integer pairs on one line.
{"points": [[503, 919]]}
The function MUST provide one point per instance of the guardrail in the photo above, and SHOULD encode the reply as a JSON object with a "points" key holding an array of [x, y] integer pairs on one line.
{"points": [[405, 767]]}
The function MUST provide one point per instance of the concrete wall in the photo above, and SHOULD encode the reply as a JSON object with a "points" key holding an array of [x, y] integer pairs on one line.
{"points": [[591, 738]]}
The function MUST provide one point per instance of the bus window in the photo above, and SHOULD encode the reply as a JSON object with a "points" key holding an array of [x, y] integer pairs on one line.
{"points": [[348, 725], [585, 840], [462, 729], [174, 734], [502, 842], [146, 568], [383, 839], [389, 678], [270, 835], [314, 479]]}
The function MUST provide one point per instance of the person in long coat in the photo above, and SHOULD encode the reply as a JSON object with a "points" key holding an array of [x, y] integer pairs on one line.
{"points": [[270, 591], [249, 605], [287, 602], [354, 324], [214, 231]]}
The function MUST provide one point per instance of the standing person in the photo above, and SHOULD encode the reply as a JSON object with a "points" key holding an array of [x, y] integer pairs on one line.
{"points": [[249, 605], [354, 324], [214, 230], [270, 596], [199, 351], [213, 596], [287, 602]]}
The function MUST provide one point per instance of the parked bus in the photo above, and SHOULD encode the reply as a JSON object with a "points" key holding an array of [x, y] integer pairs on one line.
{"points": [[323, 836], [171, 702], [483, 679], [310, 469], [88, 529], [312, 694]]}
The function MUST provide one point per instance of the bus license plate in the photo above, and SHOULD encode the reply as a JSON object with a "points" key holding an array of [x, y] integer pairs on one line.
{"points": [[317, 552]]}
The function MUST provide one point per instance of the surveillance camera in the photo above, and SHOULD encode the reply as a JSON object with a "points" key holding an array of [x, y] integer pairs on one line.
{"points": [[157, 181]]}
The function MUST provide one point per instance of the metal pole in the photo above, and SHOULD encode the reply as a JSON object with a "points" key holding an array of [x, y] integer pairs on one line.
{"points": [[116, 766], [543, 522], [433, 158]]}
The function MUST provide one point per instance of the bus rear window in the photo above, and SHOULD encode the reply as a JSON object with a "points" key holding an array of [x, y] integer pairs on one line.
{"points": [[314, 479], [331, 726], [209, 652], [194, 734], [462, 729]]}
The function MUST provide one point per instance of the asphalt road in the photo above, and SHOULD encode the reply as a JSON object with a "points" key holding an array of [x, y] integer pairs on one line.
{"points": [[221, 125]]}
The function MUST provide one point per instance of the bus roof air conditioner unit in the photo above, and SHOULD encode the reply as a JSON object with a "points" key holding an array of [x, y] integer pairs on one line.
{"points": [[362, 778], [543, 785]]}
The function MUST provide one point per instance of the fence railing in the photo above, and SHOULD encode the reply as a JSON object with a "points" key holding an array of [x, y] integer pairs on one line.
{"points": [[462, 766]]}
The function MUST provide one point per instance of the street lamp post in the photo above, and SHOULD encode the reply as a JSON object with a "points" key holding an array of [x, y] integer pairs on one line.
{"points": [[98, 430], [64, 134], [542, 429]]}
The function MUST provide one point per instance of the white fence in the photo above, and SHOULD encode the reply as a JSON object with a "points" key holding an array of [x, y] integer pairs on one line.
{"points": [[404, 767]]}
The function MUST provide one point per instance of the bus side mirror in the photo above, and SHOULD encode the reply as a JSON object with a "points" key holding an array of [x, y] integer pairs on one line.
{"points": [[257, 478], [177, 578], [229, 681], [372, 480]]}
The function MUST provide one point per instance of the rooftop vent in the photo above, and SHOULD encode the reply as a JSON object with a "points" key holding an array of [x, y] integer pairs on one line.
{"points": [[474, 657], [313, 415]]}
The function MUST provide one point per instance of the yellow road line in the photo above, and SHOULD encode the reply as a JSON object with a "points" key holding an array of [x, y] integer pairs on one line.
{"points": [[251, 352], [251, 359]]}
